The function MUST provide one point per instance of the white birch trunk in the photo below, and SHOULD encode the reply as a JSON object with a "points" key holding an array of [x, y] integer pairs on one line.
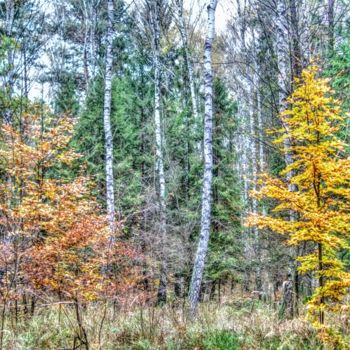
{"points": [[281, 53], [162, 289], [261, 138], [282, 86], [254, 159], [261, 143], [202, 248], [85, 47], [107, 124]]}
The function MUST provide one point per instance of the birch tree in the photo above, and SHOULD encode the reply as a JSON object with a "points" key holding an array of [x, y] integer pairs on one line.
{"points": [[255, 161], [202, 248], [154, 6], [107, 122]]}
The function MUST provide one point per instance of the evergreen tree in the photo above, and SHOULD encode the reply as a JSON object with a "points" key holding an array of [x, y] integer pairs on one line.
{"points": [[224, 247]]}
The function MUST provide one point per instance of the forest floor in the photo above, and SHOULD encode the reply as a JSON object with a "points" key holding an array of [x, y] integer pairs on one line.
{"points": [[243, 324]]}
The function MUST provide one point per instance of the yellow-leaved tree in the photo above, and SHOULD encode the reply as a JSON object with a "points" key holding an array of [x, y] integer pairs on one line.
{"points": [[321, 199]]}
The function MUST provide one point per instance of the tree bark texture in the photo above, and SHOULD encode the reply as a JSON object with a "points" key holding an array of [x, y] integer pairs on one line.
{"points": [[198, 268], [287, 306], [283, 87], [107, 123], [155, 11], [294, 28], [254, 163]]}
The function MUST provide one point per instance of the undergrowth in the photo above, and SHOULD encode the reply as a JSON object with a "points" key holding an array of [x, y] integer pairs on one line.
{"points": [[218, 327]]}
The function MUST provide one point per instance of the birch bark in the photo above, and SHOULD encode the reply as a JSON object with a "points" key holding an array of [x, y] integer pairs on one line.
{"points": [[107, 123], [282, 78], [202, 248], [254, 141], [162, 289]]}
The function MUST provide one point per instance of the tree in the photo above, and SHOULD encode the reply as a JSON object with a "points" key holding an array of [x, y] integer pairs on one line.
{"points": [[56, 238], [330, 20], [154, 11], [38, 205], [107, 122], [224, 245], [203, 241], [187, 56], [321, 176], [337, 69], [24, 23]]}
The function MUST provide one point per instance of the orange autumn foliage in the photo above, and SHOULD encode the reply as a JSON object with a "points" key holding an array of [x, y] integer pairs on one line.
{"points": [[52, 225], [320, 202]]}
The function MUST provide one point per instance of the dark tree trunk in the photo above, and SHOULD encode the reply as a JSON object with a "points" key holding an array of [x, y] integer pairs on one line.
{"points": [[296, 52], [287, 307], [320, 279], [330, 18]]}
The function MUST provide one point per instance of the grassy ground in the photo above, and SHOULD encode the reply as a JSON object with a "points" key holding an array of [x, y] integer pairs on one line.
{"points": [[242, 325]]}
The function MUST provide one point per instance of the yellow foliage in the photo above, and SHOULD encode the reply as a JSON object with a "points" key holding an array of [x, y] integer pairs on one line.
{"points": [[321, 177]]}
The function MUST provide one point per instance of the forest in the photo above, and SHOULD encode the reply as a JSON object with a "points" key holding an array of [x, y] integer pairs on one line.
{"points": [[174, 174]]}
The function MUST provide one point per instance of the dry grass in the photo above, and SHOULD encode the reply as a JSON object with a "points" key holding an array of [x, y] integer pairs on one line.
{"points": [[231, 326]]}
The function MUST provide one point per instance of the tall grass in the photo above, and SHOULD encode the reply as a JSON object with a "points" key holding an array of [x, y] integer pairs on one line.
{"points": [[218, 327]]}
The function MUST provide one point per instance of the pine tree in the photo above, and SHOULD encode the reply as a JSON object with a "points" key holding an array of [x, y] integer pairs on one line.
{"points": [[224, 247], [338, 69]]}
